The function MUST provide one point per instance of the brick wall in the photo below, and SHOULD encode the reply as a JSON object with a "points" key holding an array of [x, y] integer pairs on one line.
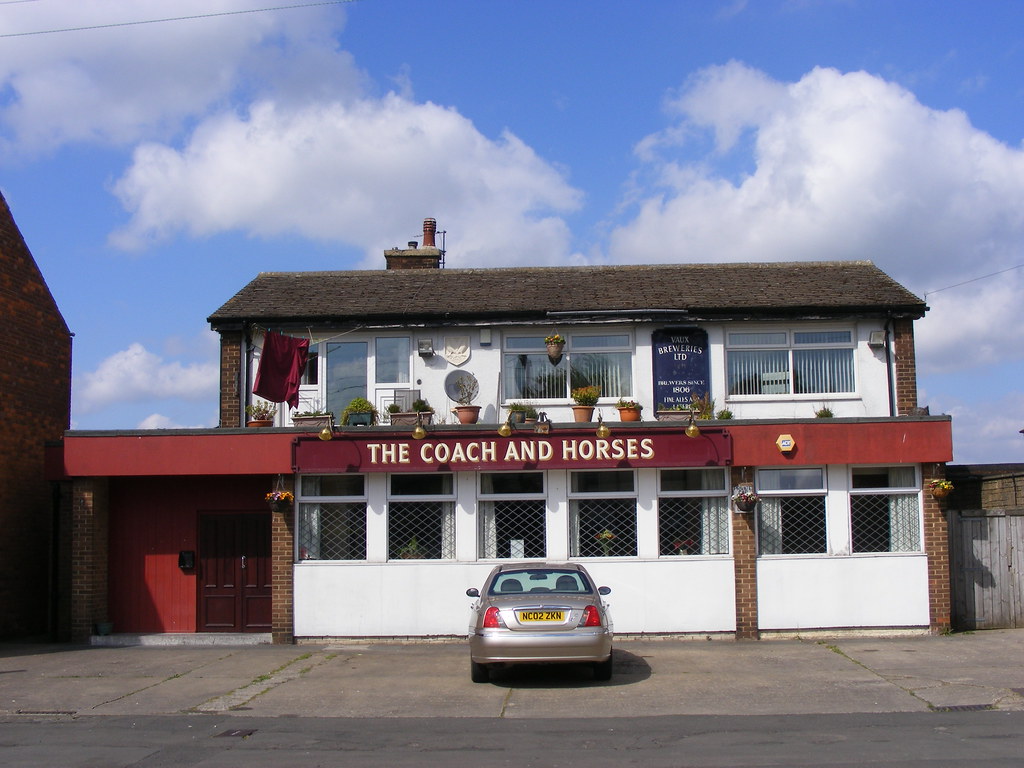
{"points": [[906, 366], [936, 547], [744, 558], [90, 514], [230, 371], [282, 585], [35, 405]]}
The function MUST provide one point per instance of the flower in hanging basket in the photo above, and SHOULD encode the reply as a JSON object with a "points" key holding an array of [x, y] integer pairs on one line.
{"points": [[280, 499], [940, 485], [745, 494], [554, 338]]}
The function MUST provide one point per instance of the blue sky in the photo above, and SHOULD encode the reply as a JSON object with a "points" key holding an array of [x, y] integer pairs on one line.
{"points": [[154, 168]]}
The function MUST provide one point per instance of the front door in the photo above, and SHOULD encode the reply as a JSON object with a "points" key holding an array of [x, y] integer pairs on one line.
{"points": [[234, 573]]}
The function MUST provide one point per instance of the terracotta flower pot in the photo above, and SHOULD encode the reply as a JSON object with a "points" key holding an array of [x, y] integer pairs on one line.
{"points": [[260, 423], [467, 414], [629, 414], [583, 412]]}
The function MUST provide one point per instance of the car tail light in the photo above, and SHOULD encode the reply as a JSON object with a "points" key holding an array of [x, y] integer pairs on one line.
{"points": [[492, 618], [591, 617]]}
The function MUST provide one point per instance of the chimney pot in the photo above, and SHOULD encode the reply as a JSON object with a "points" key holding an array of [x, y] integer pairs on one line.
{"points": [[413, 245], [429, 228]]}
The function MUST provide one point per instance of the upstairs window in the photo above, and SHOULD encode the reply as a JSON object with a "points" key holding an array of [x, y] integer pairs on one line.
{"points": [[790, 362], [604, 360]]}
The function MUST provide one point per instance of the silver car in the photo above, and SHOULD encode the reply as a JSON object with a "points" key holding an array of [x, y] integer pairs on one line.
{"points": [[539, 612]]}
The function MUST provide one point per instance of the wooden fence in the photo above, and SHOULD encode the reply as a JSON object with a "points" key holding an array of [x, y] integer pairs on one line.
{"points": [[986, 550]]}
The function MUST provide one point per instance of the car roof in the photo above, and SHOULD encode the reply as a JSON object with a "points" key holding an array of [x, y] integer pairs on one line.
{"points": [[535, 566]]}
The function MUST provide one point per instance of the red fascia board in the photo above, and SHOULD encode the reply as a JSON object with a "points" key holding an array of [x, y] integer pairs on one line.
{"points": [[887, 441], [184, 453]]}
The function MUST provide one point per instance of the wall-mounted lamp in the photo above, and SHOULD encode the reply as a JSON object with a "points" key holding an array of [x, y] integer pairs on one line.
{"points": [[425, 347], [876, 339], [602, 429], [418, 432], [505, 429], [692, 430], [543, 425], [326, 433]]}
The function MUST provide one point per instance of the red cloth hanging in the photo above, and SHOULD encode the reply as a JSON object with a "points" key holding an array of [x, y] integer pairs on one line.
{"points": [[281, 365]]}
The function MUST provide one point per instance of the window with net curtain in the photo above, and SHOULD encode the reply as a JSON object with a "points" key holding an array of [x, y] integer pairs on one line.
{"points": [[791, 515], [512, 515], [605, 361], [421, 517], [331, 522], [784, 362], [602, 514], [885, 513], [693, 512]]}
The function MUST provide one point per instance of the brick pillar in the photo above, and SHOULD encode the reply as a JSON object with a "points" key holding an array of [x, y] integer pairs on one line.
{"points": [[230, 371], [744, 560], [282, 533], [89, 537], [936, 547], [906, 366]]}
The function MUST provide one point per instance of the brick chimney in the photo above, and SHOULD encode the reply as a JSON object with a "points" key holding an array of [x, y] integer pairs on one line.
{"points": [[427, 256]]}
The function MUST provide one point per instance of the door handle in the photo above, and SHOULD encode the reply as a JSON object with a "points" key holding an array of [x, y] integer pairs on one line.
{"points": [[243, 562]]}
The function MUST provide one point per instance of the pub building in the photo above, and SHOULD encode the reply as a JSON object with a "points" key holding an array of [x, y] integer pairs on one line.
{"points": [[792, 382]]}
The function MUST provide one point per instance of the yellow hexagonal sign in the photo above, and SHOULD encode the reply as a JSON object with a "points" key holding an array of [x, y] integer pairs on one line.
{"points": [[786, 443]]}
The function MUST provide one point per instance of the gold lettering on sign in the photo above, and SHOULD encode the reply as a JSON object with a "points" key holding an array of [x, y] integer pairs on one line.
{"points": [[515, 451]]}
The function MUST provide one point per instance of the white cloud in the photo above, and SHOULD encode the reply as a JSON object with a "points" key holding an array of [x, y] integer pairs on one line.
{"points": [[355, 173], [135, 374], [840, 166], [117, 82]]}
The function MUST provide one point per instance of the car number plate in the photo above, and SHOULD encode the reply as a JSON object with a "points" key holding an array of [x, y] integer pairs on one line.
{"points": [[534, 616]]}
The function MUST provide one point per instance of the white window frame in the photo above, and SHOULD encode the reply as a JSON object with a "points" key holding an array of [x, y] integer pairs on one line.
{"points": [[908, 491], [764, 509], [789, 346], [577, 496], [575, 344], [485, 518], [302, 521], [722, 524]]}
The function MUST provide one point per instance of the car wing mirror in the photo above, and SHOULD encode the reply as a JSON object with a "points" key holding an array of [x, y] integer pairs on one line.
{"points": [[472, 592], [604, 590]]}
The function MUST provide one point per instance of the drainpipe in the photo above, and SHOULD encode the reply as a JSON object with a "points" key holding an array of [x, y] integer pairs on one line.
{"points": [[243, 375], [888, 366]]}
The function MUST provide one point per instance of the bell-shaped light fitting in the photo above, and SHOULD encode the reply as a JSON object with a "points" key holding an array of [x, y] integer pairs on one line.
{"points": [[326, 434], [418, 432], [692, 430], [602, 429], [505, 429]]}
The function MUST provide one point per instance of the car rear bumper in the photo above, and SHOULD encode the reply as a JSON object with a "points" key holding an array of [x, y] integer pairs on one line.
{"points": [[506, 646]]}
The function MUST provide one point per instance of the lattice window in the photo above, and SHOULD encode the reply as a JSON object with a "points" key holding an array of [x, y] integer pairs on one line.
{"points": [[885, 523], [421, 530], [512, 528], [332, 531], [693, 526], [603, 527], [792, 525]]}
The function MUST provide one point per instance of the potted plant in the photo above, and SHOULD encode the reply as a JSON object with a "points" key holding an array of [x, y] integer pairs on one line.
{"points": [[468, 388], [517, 412], [629, 410], [724, 415], [745, 498], [359, 413], [260, 414], [421, 413], [604, 538], [411, 551], [555, 344], [940, 488], [313, 417], [823, 413], [585, 398]]}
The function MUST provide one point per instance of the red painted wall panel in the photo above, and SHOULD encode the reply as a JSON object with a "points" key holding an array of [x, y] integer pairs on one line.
{"points": [[151, 520]]}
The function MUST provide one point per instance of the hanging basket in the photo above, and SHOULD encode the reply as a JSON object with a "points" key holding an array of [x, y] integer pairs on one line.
{"points": [[940, 493], [555, 352], [745, 506]]}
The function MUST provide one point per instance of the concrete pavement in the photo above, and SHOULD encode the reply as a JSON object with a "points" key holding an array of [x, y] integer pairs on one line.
{"points": [[653, 677]]}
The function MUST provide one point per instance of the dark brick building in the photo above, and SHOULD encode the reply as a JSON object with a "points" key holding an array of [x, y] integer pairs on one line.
{"points": [[35, 379]]}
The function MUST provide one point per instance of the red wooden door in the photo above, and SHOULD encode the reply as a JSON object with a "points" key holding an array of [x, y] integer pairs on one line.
{"points": [[234, 573]]}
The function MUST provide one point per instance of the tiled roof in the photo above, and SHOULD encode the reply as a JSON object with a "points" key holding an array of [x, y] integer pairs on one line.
{"points": [[789, 289]]}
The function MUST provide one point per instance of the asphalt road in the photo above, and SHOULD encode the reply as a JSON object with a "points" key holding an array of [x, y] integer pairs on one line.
{"points": [[910, 701]]}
